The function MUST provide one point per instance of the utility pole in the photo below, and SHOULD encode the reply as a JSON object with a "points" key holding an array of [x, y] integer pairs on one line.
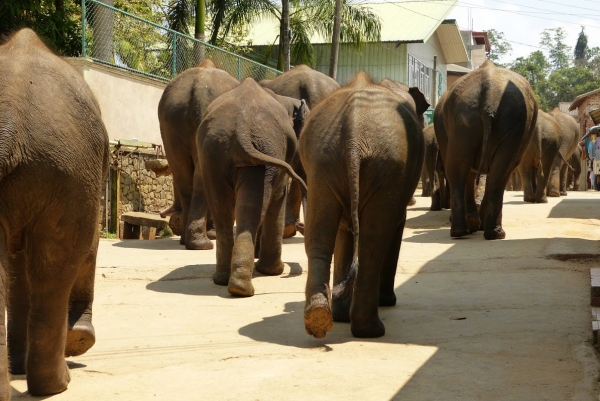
{"points": [[335, 40], [285, 33]]}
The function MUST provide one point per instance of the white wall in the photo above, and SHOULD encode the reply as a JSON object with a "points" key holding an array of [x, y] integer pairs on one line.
{"points": [[128, 101], [425, 52]]}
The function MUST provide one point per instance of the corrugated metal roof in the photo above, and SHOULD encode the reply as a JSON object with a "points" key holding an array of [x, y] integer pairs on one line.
{"points": [[451, 41], [401, 21], [564, 107]]}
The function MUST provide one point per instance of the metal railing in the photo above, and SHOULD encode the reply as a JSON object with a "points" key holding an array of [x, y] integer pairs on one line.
{"points": [[121, 39]]}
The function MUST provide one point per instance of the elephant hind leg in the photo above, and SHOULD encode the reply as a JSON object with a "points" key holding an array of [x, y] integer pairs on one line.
{"points": [[5, 388], [323, 214], [342, 260], [18, 312]]}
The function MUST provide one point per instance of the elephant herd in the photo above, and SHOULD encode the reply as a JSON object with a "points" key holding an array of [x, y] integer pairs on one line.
{"points": [[251, 154]]}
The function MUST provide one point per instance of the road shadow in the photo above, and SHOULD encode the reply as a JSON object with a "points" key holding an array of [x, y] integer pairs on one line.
{"points": [[576, 209], [159, 244], [501, 315], [440, 218]]}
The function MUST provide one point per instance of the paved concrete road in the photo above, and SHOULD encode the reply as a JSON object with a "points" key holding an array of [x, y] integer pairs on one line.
{"points": [[475, 320]]}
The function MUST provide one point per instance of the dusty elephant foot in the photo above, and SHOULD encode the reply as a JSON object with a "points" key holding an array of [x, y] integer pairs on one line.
{"points": [[269, 270], [317, 316], [16, 363], [340, 309], [372, 329], [563, 193], [474, 223], [221, 277], [554, 194], [211, 234], [176, 223], [387, 299], [51, 381], [496, 233], [80, 338], [240, 286], [458, 232], [412, 201], [289, 230], [201, 244], [542, 199], [300, 227], [529, 198]]}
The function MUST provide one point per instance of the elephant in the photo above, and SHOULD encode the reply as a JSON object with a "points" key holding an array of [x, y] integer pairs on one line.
{"points": [[575, 173], [568, 145], [537, 161], [302, 83], [483, 125], [181, 109], [245, 144], [434, 168], [362, 149], [514, 183], [53, 165], [425, 183]]}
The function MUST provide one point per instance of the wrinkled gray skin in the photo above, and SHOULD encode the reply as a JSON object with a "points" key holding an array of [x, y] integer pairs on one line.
{"points": [[483, 125], [440, 196], [573, 175], [245, 144], [514, 183], [569, 142], [53, 165], [180, 111], [539, 157], [302, 83], [362, 150]]}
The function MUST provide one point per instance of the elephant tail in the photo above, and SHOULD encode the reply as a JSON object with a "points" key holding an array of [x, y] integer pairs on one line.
{"points": [[260, 158], [345, 288], [487, 130], [566, 162]]}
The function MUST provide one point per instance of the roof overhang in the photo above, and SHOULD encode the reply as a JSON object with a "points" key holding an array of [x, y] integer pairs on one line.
{"points": [[451, 41], [457, 69], [595, 114], [579, 99]]}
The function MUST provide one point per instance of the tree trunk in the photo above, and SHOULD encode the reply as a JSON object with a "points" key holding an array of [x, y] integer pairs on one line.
{"points": [[102, 20], [285, 33], [335, 40], [199, 48]]}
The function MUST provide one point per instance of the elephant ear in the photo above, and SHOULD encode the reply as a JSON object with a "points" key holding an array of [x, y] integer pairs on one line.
{"points": [[300, 114], [420, 100]]}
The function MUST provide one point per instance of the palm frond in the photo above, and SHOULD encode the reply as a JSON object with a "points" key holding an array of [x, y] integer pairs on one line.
{"points": [[302, 50]]}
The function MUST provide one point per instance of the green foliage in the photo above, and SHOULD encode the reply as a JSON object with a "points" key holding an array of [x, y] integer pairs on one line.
{"points": [[535, 68], [554, 41], [581, 49], [106, 235], [566, 84], [57, 22], [500, 47], [166, 232]]}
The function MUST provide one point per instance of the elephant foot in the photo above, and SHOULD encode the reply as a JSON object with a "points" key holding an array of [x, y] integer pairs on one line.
{"points": [[221, 277], [542, 199], [269, 269], [176, 223], [459, 232], [496, 233], [474, 223], [50, 380], [412, 201], [240, 286], [80, 338], [300, 227], [211, 234], [529, 198], [201, 244], [372, 329], [289, 230], [387, 299], [16, 362], [563, 193], [317, 316]]}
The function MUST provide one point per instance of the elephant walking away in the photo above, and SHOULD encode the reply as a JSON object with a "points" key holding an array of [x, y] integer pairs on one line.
{"points": [[569, 143], [302, 83], [245, 144], [180, 111], [574, 174], [434, 168], [537, 161], [53, 165], [362, 150], [483, 125]]}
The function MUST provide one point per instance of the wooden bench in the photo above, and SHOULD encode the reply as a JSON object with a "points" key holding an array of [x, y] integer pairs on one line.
{"points": [[139, 225]]}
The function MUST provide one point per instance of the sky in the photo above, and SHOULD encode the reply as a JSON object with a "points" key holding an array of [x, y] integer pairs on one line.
{"points": [[522, 21]]}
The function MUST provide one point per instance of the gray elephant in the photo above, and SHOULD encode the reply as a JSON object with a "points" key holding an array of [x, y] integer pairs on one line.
{"points": [[574, 174], [53, 164], [412, 96], [180, 111], [245, 144], [537, 161], [302, 83], [514, 183], [483, 125], [357, 191], [569, 143], [434, 168]]}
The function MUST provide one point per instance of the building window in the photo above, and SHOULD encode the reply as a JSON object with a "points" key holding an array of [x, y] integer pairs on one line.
{"points": [[419, 75]]}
